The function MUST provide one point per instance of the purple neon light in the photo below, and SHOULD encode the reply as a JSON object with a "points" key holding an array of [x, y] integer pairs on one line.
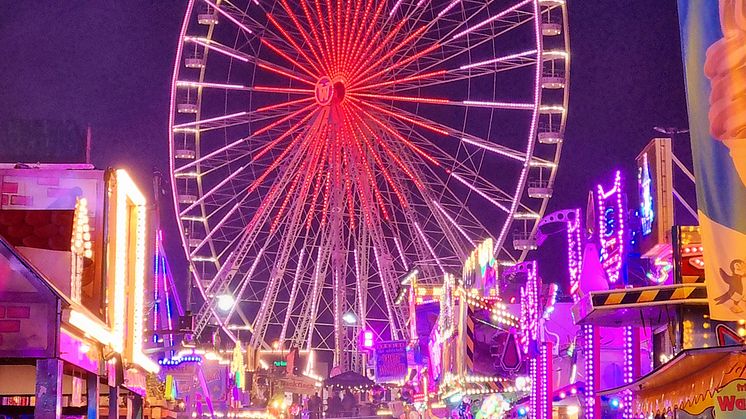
{"points": [[612, 248], [629, 365], [590, 381], [574, 254], [532, 132]]}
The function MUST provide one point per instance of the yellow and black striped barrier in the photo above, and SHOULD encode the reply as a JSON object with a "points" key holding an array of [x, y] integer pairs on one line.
{"points": [[593, 306]]}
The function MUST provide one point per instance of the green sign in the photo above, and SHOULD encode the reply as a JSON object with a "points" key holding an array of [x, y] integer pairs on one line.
{"points": [[281, 363]]}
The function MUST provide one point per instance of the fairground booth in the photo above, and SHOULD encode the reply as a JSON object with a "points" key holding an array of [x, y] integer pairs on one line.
{"points": [[650, 344], [74, 251]]}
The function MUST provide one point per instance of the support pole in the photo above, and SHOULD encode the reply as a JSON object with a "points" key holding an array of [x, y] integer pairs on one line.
{"points": [[113, 402], [592, 354], [135, 407], [48, 389], [93, 389]]}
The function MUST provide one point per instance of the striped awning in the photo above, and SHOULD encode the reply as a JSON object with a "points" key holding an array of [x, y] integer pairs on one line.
{"points": [[688, 381], [636, 306]]}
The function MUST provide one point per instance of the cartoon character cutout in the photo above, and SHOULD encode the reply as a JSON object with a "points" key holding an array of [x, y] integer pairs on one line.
{"points": [[725, 66], [734, 280]]}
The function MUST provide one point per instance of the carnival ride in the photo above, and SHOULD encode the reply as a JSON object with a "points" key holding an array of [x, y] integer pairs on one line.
{"points": [[321, 149]]}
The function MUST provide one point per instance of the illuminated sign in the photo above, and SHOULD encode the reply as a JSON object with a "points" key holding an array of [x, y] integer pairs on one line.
{"points": [[129, 270], [655, 198], [445, 319], [645, 190], [80, 246], [281, 363], [611, 228], [391, 360], [479, 269]]}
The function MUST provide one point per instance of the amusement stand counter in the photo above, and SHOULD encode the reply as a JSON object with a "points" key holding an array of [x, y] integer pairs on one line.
{"points": [[73, 251]]}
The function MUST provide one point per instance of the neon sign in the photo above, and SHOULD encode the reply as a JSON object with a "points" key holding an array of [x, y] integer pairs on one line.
{"points": [[611, 230], [479, 269], [574, 254], [645, 190]]}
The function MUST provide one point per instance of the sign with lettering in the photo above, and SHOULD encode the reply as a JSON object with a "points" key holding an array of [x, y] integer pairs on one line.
{"points": [[391, 360], [730, 400]]}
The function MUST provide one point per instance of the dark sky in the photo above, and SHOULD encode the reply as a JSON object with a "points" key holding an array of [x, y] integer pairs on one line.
{"points": [[108, 63]]}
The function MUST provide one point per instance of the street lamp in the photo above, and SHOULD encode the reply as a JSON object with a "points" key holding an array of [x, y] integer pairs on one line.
{"points": [[349, 318], [226, 302]]}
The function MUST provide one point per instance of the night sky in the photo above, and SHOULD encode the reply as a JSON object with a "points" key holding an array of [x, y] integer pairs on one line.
{"points": [[108, 63]]}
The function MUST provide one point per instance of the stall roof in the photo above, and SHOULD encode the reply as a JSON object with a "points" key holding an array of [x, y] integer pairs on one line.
{"points": [[642, 306], [348, 379], [22, 265]]}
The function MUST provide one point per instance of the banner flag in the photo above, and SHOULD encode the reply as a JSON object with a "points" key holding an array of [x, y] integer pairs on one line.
{"points": [[713, 41]]}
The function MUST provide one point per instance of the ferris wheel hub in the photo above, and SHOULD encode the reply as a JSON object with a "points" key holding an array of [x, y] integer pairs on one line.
{"points": [[330, 91]]}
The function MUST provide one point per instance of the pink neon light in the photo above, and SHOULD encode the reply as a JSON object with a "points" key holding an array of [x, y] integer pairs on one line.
{"points": [[480, 192], [500, 105], [532, 132], [492, 18], [172, 113], [211, 85], [396, 6], [574, 254], [228, 16], [368, 341], [612, 249], [215, 119], [223, 50], [499, 59], [448, 8]]}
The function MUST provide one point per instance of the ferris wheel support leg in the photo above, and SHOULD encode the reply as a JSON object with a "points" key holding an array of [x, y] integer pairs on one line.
{"points": [[293, 296]]}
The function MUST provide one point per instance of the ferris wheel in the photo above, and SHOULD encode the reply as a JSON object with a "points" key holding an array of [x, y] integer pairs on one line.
{"points": [[323, 149]]}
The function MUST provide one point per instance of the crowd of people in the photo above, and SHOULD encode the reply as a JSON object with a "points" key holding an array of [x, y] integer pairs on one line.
{"points": [[338, 405]]}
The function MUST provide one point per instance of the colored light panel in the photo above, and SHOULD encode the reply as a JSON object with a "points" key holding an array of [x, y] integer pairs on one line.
{"points": [[611, 228], [645, 189]]}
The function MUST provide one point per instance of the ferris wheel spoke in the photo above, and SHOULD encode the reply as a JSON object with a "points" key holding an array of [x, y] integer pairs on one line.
{"points": [[318, 64], [230, 17], [271, 197], [492, 18], [402, 80], [392, 155], [320, 41], [365, 58], [327, 43], [210, 123], [364, 54], [398, 136], [212, 190], [367, 68], [288, 58], [469, 176], [448, 42], [433, 126], [258, 153], [222, 86], [408, 79], [377, 158], [440, 101], [247, 58], [429, 247], [487, 67], [363, 42], [479, 192], [282, 105], [453, 222]]}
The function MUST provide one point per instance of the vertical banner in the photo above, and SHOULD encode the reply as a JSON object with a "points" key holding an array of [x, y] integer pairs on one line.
{"points": [[713, 39]]}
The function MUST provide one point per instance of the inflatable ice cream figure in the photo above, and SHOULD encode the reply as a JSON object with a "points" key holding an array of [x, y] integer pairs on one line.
{"points": [[725, 66]]}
